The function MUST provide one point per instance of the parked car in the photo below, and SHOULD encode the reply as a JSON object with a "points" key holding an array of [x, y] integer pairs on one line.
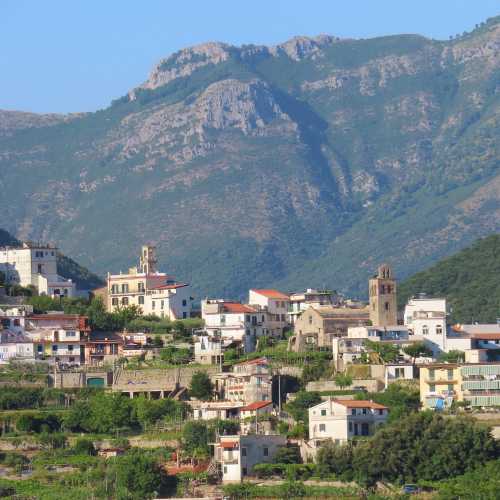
{"points": [[411, 489]]}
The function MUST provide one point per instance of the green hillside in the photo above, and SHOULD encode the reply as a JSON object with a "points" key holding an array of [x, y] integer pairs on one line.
{"points": [[67, 267], [301, 165], [469, 279]]}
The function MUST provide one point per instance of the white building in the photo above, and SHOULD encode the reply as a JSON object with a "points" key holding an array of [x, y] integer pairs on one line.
{"points": [[233, 321], [237, 455], [426, 318], [301, 301], [12, 317], [400, 371], [339, 420], [57, 337], [276, 304], [153, 292], [209, 410], [15, 346], [35, 265], [210, 350]]}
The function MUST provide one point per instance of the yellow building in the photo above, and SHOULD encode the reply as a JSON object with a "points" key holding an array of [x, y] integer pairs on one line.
{"points": [[153, 292]]}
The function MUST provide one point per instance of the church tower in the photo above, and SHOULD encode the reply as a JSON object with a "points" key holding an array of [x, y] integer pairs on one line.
{"points": [[147, 262], [382, 292]]}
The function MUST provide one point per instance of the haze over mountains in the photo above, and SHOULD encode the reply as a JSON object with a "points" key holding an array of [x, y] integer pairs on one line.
{"points": [[304, 164]]}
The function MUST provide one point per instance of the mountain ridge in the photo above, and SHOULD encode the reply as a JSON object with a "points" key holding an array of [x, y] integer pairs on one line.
{"points": [[301, 165]]}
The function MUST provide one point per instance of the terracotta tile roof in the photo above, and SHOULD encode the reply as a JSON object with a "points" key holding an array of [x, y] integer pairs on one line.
{"points": [[229, 444], [271, 294], [486, 336], [257, 405], [236, 307], [355, 403]]}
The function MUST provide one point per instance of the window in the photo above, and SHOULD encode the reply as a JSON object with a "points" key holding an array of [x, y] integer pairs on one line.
{"points": [[439, 330], [432, 388], [162, 304], [265, 451], [247, 319], [310, 320], [184, 303], [114, 301], [353, 411], [399, 372], [18, 323], [425, 330], [450, 374], [54, 348], [450, 387], [141, 299], [243, 452], [114, 289], [125, 288], [225, 469], [350, 426], [322, 427], [364, 411], [323, 413], [70, 334], [153, 304], [40, 268], [381, 412], [39, 348], [244, 471], [386, 305], [432, 373], [140, 286], [70, 348], [125, 301]]}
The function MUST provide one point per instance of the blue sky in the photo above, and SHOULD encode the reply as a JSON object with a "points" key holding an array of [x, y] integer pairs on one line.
{"points": [[78, 55]]}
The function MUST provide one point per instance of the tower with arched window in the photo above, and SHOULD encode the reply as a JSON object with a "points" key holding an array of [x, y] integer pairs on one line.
{"points": [[382, 293]]}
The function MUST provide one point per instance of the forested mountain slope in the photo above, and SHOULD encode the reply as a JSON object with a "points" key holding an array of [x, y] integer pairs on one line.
{"points": [[470, 280], [303, 164]]}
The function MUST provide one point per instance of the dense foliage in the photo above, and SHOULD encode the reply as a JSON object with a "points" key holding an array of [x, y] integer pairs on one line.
{"points": [[400, 399], [421, 446], [468, 279], [298, 408], [201, 386]]}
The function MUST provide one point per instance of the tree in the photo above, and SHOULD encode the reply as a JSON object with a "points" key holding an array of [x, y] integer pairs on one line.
{"points": [[315, 371], [287, 455], [194, 439], [423, 446], [84, 447], [416, 350], [137, 475], [201, 386], [343, 380], [299, 407], [454, 356], [400, 399], [386, 353]]}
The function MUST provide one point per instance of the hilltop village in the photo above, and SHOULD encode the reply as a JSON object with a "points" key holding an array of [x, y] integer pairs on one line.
{"points": [[280, 386]]}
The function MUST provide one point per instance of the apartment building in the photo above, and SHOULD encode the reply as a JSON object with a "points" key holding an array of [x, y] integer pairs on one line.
{"points": [[15, 346], [233, 321], [276, 305], [35, 264], [58, 337], [153, 292], [476, 384], [249, 381], [339, 420]]}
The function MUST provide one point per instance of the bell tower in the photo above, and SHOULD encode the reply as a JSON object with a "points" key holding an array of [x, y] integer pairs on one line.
{"points": [[147, 263], [383, 303]]}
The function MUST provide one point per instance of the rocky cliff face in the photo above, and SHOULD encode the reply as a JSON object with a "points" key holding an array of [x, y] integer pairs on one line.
{"points": [[302, 164]]}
